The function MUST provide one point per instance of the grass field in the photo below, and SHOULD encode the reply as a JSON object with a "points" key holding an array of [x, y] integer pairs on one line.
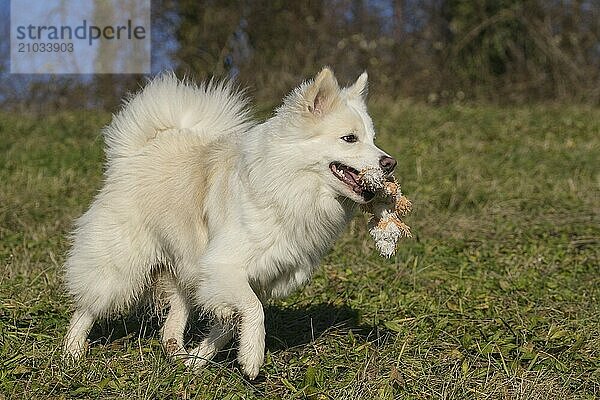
{"points": [[497, 297]]}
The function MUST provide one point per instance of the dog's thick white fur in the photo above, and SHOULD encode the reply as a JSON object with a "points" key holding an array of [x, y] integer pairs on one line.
{"points": [[220, 212]]}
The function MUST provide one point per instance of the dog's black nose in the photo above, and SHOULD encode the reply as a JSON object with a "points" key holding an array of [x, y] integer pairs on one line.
{"points": [[387, 164]]}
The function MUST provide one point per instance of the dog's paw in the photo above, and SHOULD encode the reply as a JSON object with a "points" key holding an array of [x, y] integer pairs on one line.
{"points": [[173, 347], [251, 370], [74, 351], [250, 363], [198, 357], [193, 362]]}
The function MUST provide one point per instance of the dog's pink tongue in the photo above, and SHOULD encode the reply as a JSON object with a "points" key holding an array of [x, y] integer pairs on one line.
{"points": [[354, 178]]}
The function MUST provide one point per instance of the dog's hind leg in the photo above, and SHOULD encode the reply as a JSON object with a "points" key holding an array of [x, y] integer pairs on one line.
{"points": [[107, 272], [98, 294], [220, 334]]}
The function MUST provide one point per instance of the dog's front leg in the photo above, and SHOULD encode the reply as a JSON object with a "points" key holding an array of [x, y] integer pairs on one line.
{"points": [[220, 334], [252, 338], [226, 293]]}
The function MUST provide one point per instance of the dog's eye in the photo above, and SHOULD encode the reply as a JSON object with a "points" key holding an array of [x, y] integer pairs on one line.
{"points": [[350, 138]]}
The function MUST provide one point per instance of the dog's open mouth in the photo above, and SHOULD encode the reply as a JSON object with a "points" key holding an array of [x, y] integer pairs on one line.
{"points": [[350, 177]]}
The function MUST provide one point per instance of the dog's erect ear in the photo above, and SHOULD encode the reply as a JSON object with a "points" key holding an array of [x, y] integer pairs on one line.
{"points": [[322, 92], [360, 87]]}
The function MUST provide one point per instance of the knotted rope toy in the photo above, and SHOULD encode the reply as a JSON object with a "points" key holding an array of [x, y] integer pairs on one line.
{"points": [[387, 209]]}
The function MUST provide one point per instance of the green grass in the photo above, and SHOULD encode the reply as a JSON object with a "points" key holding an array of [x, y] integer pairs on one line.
{"points": [[497, 297]]}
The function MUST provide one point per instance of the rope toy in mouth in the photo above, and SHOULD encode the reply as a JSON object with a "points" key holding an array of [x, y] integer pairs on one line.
{"points": [[387, 209]]}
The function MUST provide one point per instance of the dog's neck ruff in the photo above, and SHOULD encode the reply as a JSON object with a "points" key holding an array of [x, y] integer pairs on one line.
{"points": [[293, 227]]}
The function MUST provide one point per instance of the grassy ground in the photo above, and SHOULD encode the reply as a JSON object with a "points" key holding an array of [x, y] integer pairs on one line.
{"points": [[498, 296]]}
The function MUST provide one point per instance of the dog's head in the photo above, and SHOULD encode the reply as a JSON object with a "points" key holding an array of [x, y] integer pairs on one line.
{"points": [[337, 133]]}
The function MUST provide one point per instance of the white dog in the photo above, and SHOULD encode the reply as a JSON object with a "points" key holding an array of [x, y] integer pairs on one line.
{"points": [[220, 212]]}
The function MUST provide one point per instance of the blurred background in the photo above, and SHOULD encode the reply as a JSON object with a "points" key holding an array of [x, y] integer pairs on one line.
{"points": [[435, 51]]}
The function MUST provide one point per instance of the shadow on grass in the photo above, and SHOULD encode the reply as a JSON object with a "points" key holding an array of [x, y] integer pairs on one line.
{"points": [[292, 327], [286, 327]]}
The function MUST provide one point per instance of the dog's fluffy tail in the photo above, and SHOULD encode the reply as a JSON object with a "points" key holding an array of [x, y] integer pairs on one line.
{"points": [[169, 104]]}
